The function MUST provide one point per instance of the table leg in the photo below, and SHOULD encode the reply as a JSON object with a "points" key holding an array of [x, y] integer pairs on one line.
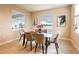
{"points": [[49, 42], [46, 45]]}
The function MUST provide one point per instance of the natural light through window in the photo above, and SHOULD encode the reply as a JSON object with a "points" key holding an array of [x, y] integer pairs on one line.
{"points": [[77, 18], [47, 21], [17, 20]]}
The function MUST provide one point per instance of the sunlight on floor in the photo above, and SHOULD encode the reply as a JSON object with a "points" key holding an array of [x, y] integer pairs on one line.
{"points": [[65, 47]]}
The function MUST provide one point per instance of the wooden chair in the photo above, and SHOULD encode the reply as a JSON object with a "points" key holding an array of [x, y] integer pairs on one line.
{"points": [[28, 36], [39, 38], [55, 42]]}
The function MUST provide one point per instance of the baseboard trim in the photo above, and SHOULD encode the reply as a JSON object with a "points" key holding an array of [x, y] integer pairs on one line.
{"points": [[65, 38], [75, 45], [8, 41], [71, 40]]}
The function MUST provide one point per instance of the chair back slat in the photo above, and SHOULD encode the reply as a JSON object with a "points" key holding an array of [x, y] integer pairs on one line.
{"points": [[28, 36], [39, 38], [55, 39]]}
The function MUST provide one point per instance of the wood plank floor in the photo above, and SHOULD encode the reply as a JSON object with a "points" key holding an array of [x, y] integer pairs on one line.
{"points": [[65, 47]]}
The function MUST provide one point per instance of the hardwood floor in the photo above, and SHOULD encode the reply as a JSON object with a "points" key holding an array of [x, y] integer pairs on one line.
{"points": [[65, 47]]}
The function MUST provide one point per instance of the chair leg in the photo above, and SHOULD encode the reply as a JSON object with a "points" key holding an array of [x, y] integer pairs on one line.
{"points": [[25, 44], [36, 46], [43, 48], [23, 40], [56, 46], [20, 38], [30, 45], [46, 48]]}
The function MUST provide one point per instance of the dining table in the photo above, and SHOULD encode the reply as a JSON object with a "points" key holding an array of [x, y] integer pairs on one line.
{"points": [[47, 36]]}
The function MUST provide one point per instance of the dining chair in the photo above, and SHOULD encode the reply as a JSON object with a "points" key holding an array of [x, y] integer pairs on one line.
{"points": [[39, 38], [28, 37], [21, 32], [54, 40]]}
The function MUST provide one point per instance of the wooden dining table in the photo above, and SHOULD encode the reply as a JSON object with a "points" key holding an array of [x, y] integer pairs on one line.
{"points": [[47, 36]]}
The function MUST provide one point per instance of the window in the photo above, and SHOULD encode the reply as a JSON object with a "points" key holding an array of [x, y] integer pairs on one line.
{"points": [[47, 21], [17, 20], [76, 18]]}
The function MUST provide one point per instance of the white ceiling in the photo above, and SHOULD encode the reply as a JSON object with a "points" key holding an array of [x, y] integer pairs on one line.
{"points": [[39, 7]]}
